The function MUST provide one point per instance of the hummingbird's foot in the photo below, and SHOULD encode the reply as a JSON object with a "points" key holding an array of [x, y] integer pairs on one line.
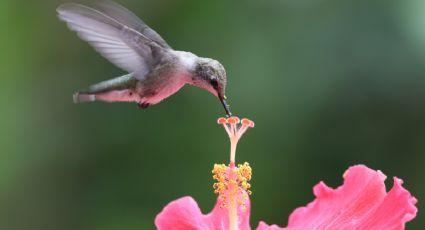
{"points": [[143, 105]]}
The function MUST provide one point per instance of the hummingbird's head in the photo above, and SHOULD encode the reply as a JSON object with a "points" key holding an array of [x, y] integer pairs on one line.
{"points": [[211, 75]]}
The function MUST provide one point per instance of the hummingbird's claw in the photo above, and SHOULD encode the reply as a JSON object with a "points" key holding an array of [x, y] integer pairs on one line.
{"points": [[143, 105]]}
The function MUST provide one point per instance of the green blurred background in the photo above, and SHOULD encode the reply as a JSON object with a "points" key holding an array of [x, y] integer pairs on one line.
{"points": [[329, 83]]}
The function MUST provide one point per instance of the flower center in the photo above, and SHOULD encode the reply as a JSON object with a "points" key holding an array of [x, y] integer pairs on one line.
{"points": [[232, 184]]}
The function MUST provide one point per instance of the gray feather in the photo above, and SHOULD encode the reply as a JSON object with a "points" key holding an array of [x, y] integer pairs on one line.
{"points": [[119, 43], [119, 83], [128, 18], [81, 97], [127, 82]]}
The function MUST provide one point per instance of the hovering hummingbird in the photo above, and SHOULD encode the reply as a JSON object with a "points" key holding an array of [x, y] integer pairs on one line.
{"points": [[156, 71]]}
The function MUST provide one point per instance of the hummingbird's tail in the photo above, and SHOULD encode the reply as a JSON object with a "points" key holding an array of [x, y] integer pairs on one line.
{"points": [[116, 89], [83, 97]]}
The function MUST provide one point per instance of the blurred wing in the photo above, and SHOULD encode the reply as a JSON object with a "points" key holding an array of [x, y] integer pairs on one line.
{"points": [[121, 45], [128, 18]]}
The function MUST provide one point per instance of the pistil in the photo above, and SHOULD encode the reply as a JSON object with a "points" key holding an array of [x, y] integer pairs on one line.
{"points": [[232, 184]]}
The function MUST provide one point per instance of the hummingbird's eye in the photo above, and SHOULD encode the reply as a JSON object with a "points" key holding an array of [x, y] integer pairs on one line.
{"points": [[214, 83]]}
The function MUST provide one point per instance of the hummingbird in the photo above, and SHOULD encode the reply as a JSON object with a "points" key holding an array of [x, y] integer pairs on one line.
{"points": [[155, 70]]}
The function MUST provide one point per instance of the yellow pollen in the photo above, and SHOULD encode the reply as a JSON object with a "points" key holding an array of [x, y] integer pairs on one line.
{"points": [[232, 183]]}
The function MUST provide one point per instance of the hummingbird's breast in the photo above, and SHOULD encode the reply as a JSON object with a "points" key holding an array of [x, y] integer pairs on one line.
{"points": [[165, 79], [167, 76], [167, 88]]}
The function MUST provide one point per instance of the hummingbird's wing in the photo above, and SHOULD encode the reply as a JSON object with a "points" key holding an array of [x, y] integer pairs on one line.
{"points": [[120, 44], [128, 18]]}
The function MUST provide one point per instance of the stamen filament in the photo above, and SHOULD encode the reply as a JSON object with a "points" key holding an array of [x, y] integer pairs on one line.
{"points": [[235, 128], [229, 132]]}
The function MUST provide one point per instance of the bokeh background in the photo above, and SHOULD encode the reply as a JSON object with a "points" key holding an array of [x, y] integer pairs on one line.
{"points": [[329, 83]]}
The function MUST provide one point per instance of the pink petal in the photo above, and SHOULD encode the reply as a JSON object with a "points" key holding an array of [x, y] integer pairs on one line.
{"points": [[360, 203], [184, 214], [264, 226]]}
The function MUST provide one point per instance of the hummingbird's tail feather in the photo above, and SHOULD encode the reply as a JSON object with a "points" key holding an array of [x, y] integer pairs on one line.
{"points": [[119, 83], [107, 96], [116, 89], [83, 97]]}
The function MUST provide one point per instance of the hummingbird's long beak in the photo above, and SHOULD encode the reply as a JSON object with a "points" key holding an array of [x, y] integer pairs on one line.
{"points": [[225, 105]]}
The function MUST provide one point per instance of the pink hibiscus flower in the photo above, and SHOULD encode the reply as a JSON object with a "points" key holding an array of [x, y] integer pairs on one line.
{"points": [[360, 203]]}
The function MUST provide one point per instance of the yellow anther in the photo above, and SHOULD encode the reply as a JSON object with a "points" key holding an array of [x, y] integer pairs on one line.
{"points": [[232, 183]]}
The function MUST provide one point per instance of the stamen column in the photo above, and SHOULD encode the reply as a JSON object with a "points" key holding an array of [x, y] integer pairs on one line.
{"points": [[232, 182]]}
